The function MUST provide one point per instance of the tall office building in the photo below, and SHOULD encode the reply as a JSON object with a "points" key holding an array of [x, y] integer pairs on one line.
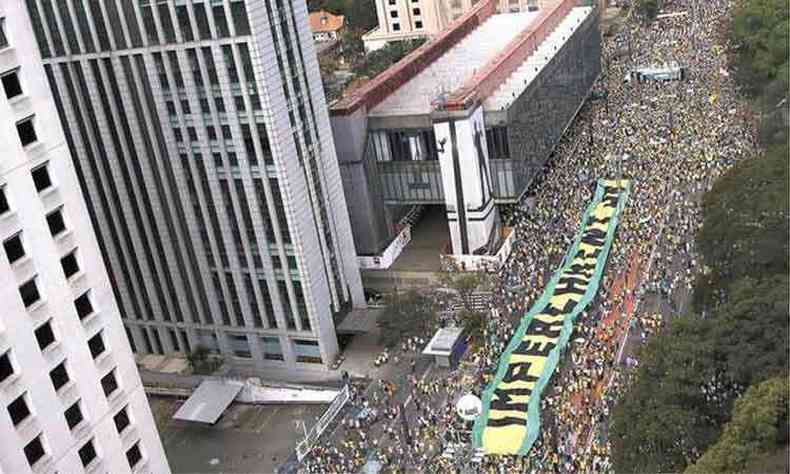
{"points": [[202, 140], [72, 400]]}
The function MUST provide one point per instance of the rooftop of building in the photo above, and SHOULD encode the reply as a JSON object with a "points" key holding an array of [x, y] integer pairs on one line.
{"points": [[484, 57], [322, 21], [453, 68]]}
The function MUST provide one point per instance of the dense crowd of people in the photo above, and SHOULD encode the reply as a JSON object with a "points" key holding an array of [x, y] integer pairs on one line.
{"points": [[671, 140]]}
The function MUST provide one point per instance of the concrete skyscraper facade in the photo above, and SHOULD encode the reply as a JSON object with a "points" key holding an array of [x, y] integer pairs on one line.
{"points": [[72, 400], [201, 136]]}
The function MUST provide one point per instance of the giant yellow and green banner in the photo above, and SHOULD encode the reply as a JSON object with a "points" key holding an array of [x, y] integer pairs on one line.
{"points": [[510, 420]]}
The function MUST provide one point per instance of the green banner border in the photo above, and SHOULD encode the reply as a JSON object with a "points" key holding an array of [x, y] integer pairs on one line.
{"points": [[533, 409]]}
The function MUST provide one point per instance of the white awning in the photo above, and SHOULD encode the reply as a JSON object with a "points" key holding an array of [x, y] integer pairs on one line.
{"points": [[209, 401]]}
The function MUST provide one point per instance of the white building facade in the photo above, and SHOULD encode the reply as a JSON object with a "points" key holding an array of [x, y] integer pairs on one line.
{"points": [[201, 136], [72, 400], [400, 20]]}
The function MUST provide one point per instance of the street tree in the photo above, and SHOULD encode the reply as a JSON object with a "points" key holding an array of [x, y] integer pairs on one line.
{"points": [[758, 428], [406, 313]]}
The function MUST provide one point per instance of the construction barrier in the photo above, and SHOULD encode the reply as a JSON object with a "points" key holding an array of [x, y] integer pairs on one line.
{"points": [[510, 419]]}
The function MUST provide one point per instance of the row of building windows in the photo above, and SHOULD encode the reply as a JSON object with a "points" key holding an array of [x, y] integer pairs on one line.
{"points": [[211, 21], [304, 350], [20, 409], [46, 335], [292, 74]]}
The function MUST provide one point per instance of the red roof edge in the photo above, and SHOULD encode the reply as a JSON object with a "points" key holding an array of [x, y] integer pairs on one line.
{"points": [[384, 84], [497, 70]]}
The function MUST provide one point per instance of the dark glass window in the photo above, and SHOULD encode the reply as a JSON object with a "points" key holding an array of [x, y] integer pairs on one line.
{"points": [[18, 410], [271, 348], [6, 367], [83, 305], [279, 209], [38, 28], [217, 159], [249, 144], [3, 39], [185, 107], [26, 131], [183, 23], [192, 134], [150, 24], [41, 178], [239, 101], [96, 345], [211, 132], [226, 134], [175, 69], [122, 420], [70, 265], [11, 85], [55, 222], [4, 207], [29, 292], [44, 335], [230, 63], [82, 21], [34, 450], [171, 108], [109, 384], [167, 23], [131, 22], [240, 21], [59, 376], [73, 415], [202, 21], [87, 453], [220, 21], [177, 133], [220, 104], [14, 249], [204, 107], [115, 25], [68, 26], [133, 455], [208, 59], [246, 63], [98, 21]]}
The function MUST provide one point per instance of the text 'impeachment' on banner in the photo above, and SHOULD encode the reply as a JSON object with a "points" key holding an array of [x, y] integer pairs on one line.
{"points": [[510, 420]]}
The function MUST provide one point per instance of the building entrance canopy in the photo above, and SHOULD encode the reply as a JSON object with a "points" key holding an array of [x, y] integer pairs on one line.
{"points": [[209, 401]]}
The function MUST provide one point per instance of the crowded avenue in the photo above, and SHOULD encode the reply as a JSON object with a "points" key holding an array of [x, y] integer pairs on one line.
{"points": [[671, 140]]}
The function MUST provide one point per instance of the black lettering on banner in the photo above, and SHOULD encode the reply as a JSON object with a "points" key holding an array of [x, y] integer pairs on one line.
{"points": [[595, 220], [594, 237], [518, 371], [552, 310], [531, 348], [586, 269], [583, 254], [502, 401], [506, 421], [570, 286], [539, 328]]}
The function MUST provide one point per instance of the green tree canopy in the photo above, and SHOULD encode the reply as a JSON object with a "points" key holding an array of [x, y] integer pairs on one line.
{"points": [[759, 427], [406, 313], [380, 59], [666, 419], [746, 221], [361, 15], [760, 31]]}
